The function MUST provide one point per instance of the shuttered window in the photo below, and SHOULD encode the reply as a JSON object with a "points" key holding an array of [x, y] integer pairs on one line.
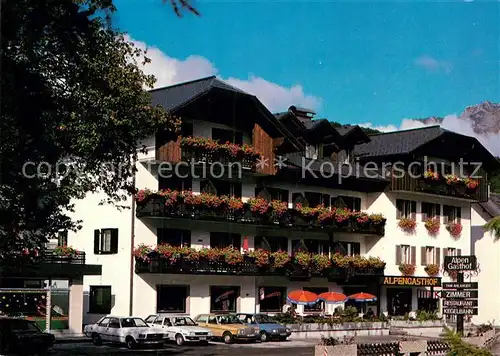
{"points": [[430, 211], [406, 209], [430, 255], [452, 214], [406, 254], [105, 241]]}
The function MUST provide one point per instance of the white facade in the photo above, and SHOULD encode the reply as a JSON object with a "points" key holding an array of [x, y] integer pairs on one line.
{"points": [[118, 272]]}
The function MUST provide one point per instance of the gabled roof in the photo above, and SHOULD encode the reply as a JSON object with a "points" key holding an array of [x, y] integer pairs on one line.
{"points": [[175, 96], [492, 206], [397, 142]]}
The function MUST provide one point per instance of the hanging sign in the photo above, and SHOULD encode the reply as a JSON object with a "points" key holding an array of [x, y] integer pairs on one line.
{"points": [[460, 294], [460, 303], [460, 311], [463, 285], [460, 263]]}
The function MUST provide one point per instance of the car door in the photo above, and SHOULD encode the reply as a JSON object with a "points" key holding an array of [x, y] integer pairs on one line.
{"points": [[215, 325], [151, 319], [113, 330], [202, 320], [168, 327], [101, 327]]}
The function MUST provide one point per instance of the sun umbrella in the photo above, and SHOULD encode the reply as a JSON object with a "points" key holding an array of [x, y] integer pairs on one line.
{"points": [[363, 297], [332, 297], [302, 297]]}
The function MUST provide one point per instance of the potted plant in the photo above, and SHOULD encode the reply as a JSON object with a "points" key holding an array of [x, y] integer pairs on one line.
{"points": [[234, 207], [302, 259], [432, 270], [261, 257], [210, 255], [280, 259], [341, 261], [305, 214], [142, 254], [430, 175], [321, 262], [278, 210], [407, 269], [342, 217], [455, 229], [142, 195], [232, 256], [471, 184], [407, 225], [452, 179], [66, 251], [258, 207], [168, 253], [432, 225]]}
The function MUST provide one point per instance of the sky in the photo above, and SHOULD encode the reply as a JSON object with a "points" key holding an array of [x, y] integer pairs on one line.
{"points": [[374, 63]]}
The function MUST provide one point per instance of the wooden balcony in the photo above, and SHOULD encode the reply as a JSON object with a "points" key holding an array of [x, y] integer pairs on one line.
{"points": [[440, 187]]}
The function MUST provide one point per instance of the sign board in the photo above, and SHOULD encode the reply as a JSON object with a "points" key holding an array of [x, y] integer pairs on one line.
{"points": [[411, 281], [460, 263], [460, 311], [464, 285], [460, 294], [460, 303]]}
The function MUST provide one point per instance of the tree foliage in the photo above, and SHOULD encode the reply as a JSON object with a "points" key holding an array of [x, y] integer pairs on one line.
{"points": [[459, 347], [73, 97], [493, 226]]}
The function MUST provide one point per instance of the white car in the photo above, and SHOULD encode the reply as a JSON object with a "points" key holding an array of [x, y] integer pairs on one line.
{"points": [[131, 331], [180, 328]]}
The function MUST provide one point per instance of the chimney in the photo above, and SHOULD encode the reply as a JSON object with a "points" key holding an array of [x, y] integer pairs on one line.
{"points": [[304, 115]]}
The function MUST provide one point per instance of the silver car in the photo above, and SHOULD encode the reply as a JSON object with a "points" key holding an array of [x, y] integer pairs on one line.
{"points": [[180, 328]]}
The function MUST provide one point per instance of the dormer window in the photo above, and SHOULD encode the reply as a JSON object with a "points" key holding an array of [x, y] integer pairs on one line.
{"points": [[314, 151]]}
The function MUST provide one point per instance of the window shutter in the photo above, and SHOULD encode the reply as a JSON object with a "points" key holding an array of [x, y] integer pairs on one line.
{"points": [[413, 255], [114, 241], [438, 210], [398, 255], [459, 214], [97, 235], [438, 256], [325, 200], [357, 204], [459, 252], [399, 208], [413, 209], [423, 256], [445, 252]]}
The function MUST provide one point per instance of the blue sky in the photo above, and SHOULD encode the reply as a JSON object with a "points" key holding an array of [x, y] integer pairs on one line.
{"points": [[357, 62]]}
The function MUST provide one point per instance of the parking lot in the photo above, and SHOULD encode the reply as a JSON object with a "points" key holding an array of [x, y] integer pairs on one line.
{"points": [[300, 348]]}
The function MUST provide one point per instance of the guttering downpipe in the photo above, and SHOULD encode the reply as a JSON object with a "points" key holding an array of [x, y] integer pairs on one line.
{"points": [[132, 229]]}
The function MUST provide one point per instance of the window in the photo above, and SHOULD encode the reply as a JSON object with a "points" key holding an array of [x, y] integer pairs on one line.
{"points": [[278, 194], [114, 323], [430, 210], [273, 243], [62, 238], [272, 299], [405, 254], [159, 321], [452, 214], [314, 151], [451, 251], [105, 241], [202, 319], [224, 136], [313, 245], [223, 298], [315, 199], [171, 299], [104, 322], [221, 187], [174, 237], [351, 248], [150, 319], [298, 198], [186, 129], [352, 203], [173, 182], [430, 255], [318, 306], [225, 239], [406, 209], [100, 300]]}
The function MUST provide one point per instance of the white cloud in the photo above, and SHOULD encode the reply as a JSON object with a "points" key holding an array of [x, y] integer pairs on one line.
{"points": [[275, 97], [461, 125], [432, 64]]}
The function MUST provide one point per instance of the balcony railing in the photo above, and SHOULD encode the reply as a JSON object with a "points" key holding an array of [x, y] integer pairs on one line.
{"points": [[52, 257], [440, 186], [208, 207], [156, 263]]}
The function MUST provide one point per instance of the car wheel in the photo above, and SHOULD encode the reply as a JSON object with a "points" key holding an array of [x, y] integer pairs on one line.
{"points": [[227, 337], [179, 340], [130, 342], [264, 337], [96, 339]]}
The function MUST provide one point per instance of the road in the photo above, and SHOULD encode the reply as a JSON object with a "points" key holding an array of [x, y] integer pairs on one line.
{"points": [[300, 348]]}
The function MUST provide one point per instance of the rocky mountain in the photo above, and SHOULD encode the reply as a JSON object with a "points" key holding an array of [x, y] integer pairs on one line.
{"points": [[485, 118]]}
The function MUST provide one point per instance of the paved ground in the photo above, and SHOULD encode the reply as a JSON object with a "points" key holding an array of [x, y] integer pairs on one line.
{"points": [[300, 348]]}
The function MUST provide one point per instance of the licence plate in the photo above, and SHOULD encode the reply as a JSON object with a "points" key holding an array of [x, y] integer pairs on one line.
{"points": [[282, 334], [203, 338]]}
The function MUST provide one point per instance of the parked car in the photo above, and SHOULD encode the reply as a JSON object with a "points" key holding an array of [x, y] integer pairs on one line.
{"points": [[227, 327], [268, 327], [131, 331], [180, 328], [23, 336]]}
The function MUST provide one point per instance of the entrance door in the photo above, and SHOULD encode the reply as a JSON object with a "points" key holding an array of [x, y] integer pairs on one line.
{"points": [[399, 301]]}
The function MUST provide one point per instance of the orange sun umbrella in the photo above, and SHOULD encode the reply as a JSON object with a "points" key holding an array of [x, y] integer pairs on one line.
{"points": [[332, 297], [363, 297], [302, 297]]}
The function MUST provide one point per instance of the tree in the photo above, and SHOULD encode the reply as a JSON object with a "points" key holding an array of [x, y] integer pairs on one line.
{"points": [[493, 226], [459, 347], [73, 108]]}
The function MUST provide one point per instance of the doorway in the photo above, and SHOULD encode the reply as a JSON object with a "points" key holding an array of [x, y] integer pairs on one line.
{"points": [[399, 301]]}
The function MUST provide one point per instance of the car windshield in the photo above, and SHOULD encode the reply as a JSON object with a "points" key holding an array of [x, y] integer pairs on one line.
{"points": [[132, 323], [182, 321], [265, 319], [23, 325], [229, 319]]}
